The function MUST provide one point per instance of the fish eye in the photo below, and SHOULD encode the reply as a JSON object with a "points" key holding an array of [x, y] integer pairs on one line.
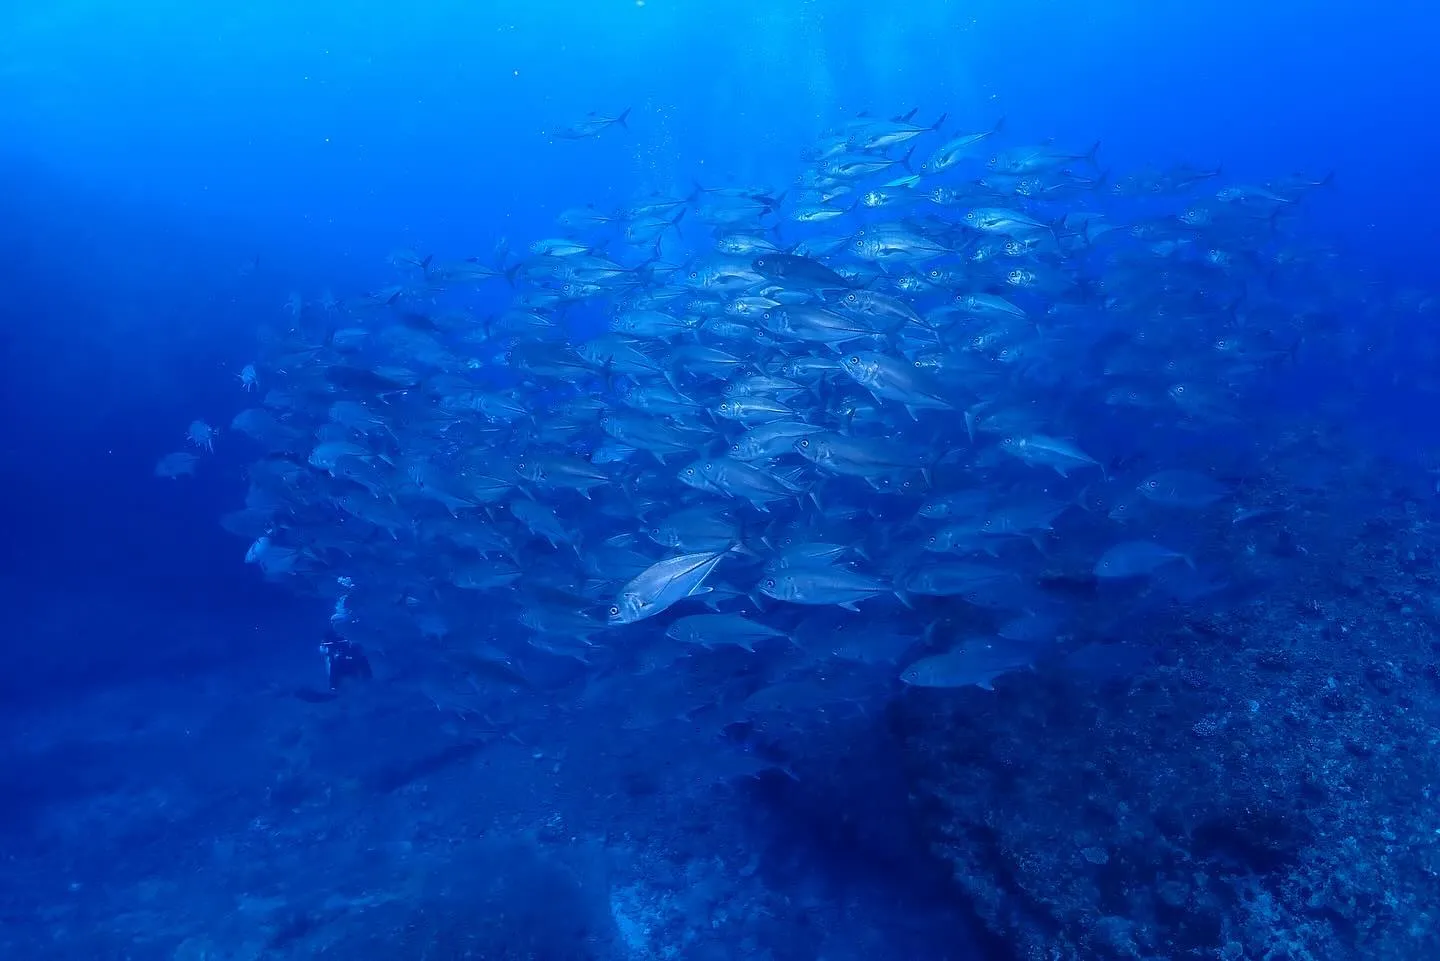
{"points": [[690, 471], [614, 611], [724, 405], [805, 442], [770, 582], [760, 262], [854, 359], [850, 297], [694, 274], [932, 538], [934, 272]]}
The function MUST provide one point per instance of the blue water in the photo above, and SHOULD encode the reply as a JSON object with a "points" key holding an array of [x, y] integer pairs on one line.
{"points": [[170, 173]]}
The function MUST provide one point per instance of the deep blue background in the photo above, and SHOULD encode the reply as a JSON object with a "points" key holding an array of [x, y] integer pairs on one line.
{"points": [[149, 152], [170, 172]]}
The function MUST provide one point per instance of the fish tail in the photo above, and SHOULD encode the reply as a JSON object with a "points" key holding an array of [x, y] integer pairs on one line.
{"points": [[744, 538], [645, 272], [814, 495]]}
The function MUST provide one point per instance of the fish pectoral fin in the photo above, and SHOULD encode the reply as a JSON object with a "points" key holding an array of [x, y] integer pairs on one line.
{"points": [[849, 606]]}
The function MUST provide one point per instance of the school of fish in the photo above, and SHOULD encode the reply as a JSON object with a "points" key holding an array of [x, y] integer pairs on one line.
{"points": [[948, 407]]}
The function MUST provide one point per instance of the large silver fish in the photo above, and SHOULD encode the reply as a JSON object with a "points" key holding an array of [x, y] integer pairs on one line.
{"points": [[662, 585]]}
